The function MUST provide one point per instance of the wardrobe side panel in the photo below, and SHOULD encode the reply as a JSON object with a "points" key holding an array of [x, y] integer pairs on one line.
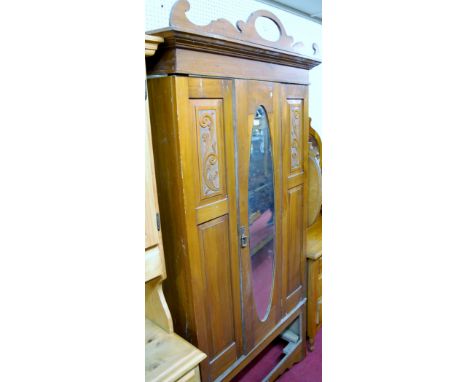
{"points": [[162, 95], [294, 131]]}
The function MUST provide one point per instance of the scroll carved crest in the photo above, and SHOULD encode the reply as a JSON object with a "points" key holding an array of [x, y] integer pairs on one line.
{"points": [[208, 152], [244, 31]]}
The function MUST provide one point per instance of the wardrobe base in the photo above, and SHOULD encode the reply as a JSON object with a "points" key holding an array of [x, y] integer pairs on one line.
{"points": [[297, 354]]}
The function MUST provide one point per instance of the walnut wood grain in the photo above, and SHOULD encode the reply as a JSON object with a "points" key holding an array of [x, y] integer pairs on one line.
{"points": [[204, 87], [183, 39], [294, 104], [200, 230], [249, 95], [221, 49], [194, 62], [203, 284], [163, 113], [178, 18]]}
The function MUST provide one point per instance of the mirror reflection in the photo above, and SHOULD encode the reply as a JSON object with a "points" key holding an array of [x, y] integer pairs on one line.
{"points": [[261, 211]]}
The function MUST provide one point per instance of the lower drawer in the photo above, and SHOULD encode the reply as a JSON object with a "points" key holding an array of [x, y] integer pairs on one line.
{"points": [[279, 355]]}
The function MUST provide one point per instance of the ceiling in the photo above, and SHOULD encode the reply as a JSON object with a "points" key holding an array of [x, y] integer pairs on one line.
{"points": [[307, 8]]}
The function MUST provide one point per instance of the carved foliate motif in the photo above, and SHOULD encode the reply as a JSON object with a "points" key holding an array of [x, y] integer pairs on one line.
{"points": [[296, 118], [209, 163]]}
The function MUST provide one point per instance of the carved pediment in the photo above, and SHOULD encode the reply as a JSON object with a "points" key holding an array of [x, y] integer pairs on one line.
{"points": [[243, 31]]}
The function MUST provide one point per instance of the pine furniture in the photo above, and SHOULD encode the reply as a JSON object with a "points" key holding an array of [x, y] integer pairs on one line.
{"points": [[168, 357]]}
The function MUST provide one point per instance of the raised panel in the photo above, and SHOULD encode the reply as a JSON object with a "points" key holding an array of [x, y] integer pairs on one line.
{"points": [[207, 117], [214, 251], [296, 154], [295, 219]]}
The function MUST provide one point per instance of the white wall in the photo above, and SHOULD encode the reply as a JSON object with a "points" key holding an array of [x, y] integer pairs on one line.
{"points": [[301, 29]]}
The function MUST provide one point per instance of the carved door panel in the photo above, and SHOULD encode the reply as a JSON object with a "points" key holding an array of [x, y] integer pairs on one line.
{"points": [[259, 192], [210, 171], [295, 160]]}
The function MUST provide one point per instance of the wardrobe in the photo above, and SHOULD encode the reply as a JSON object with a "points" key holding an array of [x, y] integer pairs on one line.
{"points": [[229, 119]]}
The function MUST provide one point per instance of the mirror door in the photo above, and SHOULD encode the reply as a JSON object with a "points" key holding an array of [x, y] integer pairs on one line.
{"points": [[259, 175]]}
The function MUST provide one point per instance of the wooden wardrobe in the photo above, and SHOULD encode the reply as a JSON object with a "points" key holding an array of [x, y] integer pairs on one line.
{"points": [[229, 118]]}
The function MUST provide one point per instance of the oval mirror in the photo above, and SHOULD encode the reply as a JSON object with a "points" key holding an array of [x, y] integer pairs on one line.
{"points": [[261, 209]]}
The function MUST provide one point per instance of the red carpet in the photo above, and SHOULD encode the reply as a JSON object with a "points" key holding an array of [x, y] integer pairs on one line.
{"points": [[308, 370], [263, 363]]}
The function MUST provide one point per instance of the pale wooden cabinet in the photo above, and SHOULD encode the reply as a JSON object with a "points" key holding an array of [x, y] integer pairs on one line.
{"points": [[229, 118], [168, 357]]}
